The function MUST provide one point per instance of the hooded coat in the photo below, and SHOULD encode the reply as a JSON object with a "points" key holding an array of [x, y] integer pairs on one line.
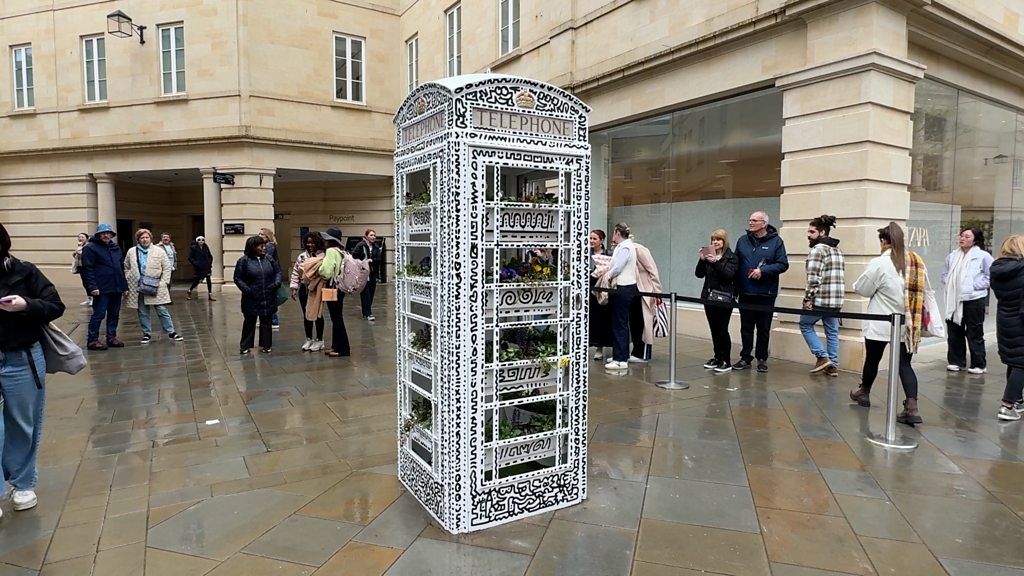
{"points": [[768, 254], [1008, 285], [101, 267]]}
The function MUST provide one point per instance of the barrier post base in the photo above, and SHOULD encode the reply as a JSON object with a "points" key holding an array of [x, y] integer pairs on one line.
{"points": [[672, 385], [897, 442]]}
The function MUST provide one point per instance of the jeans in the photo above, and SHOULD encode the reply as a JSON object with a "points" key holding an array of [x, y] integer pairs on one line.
{"points": [[108, 305], [971, 328], [366, 296], [874, 350], [1014, 385], [308, 324], [621, 301], [22, 423], [339, 336], [755, 319], [274, 319], [718, 322], [249, 332], [831, 325], [161, 310]]}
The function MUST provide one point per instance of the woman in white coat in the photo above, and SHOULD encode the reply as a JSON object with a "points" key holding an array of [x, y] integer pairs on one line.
{"points": [[967, 278], [155, 264]]}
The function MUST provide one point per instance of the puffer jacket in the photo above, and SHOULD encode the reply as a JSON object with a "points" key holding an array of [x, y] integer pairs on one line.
{"points": [[975, 282], [258, 279], [21, 330], [101, 267], [1008, 285], [768, 254]]}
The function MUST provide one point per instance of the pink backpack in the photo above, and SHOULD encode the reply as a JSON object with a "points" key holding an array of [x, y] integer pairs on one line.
{"points": [[353, 275]]}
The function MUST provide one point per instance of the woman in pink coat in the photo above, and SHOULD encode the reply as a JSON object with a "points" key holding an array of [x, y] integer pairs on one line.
{"points": [[644, 309]]}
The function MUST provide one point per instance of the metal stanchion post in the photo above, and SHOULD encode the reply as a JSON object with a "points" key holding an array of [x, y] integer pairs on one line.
{"points": [[672, 383], [891, 439]]}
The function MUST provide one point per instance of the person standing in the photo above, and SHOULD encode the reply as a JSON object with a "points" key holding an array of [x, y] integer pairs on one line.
{"points": [[643, 310], [718, 269], [172, 254], [76, 264], [600, 314], [1008, 286], [103, 276], [271, 246], [258, 278], [826, 287], [367, 249], [894, 283], [144, 259], [28, 302], [299, 287], [334, 257], [622, 276], [966, 277], [762, 259], [201, 259]]}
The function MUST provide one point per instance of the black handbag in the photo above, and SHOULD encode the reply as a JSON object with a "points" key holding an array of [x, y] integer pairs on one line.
{"points": [[148, 286], [721, 296]]}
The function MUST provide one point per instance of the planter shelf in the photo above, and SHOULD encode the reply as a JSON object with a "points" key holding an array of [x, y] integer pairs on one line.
{"points": [[498, 264]]}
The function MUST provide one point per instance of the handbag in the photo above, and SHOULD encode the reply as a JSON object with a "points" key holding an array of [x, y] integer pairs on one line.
{"points": [[721, 296], [329, 294], [932, 324], [148, 286], [283, 294], [61, 354], [660, 318]]}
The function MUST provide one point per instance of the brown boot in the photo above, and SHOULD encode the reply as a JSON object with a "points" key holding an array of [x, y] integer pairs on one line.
{"points": [[909, 415], [188, 294], [861, 396], [212, 299]]}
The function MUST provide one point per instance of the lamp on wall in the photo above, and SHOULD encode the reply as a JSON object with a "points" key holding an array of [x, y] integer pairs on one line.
{"points": [[120, 25]]}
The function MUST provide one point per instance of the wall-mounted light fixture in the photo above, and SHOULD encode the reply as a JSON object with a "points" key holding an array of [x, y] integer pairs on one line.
{"points": [[120, 25]]}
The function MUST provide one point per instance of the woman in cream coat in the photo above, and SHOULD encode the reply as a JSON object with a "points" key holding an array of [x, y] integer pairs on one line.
{"points": [[156, 265]]}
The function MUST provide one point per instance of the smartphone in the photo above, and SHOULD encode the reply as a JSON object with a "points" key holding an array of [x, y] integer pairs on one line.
{"points": [[707, 251], [7, 299]]}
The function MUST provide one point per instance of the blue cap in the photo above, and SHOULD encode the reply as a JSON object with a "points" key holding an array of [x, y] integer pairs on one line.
{"points": [[105, 228]]}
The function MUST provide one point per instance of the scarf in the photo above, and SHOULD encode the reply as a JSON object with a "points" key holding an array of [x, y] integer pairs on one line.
{"points": [[915, 280], [143, 258], [954, 280]]}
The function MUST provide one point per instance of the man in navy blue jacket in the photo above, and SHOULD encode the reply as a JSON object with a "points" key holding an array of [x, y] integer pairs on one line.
{"points": [[762, 255], [103, 276]]}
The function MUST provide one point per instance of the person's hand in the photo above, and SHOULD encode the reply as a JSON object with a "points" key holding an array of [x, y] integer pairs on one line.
{"points": [[95, 293], [294, 292], [754, 274], [808, 304], [17, 304]]}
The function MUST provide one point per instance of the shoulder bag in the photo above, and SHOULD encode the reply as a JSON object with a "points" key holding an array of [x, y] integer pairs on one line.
{"points": [[148, 286], [721, 296], [60, 352]]}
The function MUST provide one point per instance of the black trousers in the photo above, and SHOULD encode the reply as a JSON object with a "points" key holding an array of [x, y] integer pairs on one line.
{"points": [[874, 349], [621, 302], [197, 279], [366, 296], [308, 324], [249, 331], [718, 321], [1014, 385], [751, 320], [972, 330], [637, 323], [600, 323], [339, 336]]}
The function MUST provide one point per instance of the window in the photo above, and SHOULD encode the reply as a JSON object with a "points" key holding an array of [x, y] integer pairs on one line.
{"points": [[454, 50], [172, 58], [412, 50], [24, 93], [348, 68], [94, 59], [509, 25]]}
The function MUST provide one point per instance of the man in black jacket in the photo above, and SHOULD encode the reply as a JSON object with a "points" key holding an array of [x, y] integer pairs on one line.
{"points": [[762, 256], [103, 276]]}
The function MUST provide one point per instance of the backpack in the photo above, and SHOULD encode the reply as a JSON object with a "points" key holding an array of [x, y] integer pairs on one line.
{"points": [[353, 275]]}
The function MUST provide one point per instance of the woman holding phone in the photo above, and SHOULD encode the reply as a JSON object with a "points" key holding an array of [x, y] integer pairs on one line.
{"points": [[717, 265]]}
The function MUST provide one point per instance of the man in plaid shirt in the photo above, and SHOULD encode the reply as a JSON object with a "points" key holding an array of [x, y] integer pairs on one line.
{"points": [[826, 284]]}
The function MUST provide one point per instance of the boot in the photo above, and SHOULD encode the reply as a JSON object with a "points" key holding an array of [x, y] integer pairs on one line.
{"points": [[211, 298], [909, 415], [861, 396], [188, 294]]}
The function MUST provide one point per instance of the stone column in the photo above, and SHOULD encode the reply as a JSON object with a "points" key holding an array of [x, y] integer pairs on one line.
{"points": [[106, 200], [212, 224], [846, 140], [249, 202]]}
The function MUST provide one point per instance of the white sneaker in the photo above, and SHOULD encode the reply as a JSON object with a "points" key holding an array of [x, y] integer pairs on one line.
{"points": [[599, 355], [309, 342], [85, 303], [635, 360], [316, 346], [24, 499], [952, 368], [613, 365], [977, 370], [371, 318], [1007, 414]]}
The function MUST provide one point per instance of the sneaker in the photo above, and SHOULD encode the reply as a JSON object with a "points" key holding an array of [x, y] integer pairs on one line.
{"points": [[316, 345], [711, 364], [723, 368], [113, 342], [188, 294], [1008, 413], [146, 339], [977, 370], [832, 371], [275, 326], [265, 350], [175, 336], [635, 360], [1019, 406], [97, 345], [309, 342], [244, 352], [85, 303], [24, 499], [741, 365], [762, 366], [371, 317], [821, 365], [599, 355], [613, 365], [952, 368]]}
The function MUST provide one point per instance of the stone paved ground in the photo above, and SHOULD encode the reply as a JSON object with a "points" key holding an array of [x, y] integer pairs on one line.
{"points": [[184, 459]]}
